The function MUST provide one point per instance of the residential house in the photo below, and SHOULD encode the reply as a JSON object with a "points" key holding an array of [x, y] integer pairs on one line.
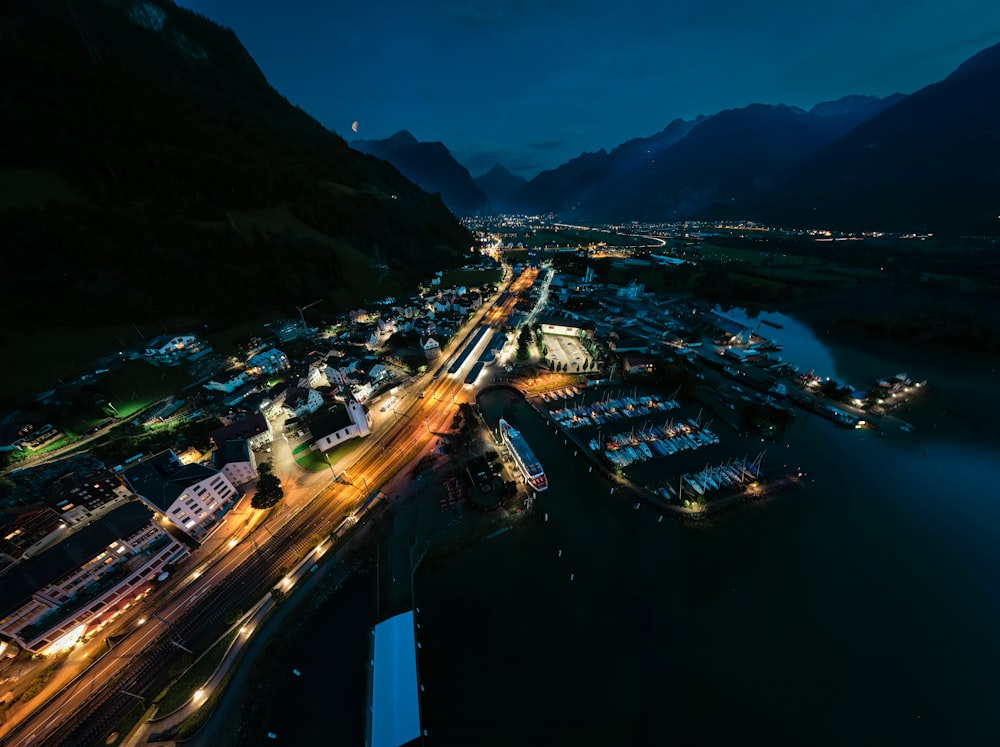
{"points": [[368, 336], [316, 374], [28, 530], [228, 381], [387, 326], [431, 347], [72, 590], [299, 401], [255, 429], [377, 370], [247, 390], [168, 348], [471, 301], [360, 385], [267, 363], [16, 435], [236, 461], [424, 326], [443, 302], [338, 369], [79, 502], [636, 365], [192, 496]]}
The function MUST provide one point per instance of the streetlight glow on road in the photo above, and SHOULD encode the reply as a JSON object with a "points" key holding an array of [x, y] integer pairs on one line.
{"points": [[401, 439]]}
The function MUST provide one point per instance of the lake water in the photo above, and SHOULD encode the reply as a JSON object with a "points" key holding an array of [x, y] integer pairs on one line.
{"points": [[860, 609]]}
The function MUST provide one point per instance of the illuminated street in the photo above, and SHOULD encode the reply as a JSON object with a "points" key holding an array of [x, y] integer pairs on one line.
{"points": [[314, 504]]}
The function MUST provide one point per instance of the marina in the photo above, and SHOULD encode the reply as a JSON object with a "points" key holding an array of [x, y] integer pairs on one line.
{"points": [[609, 409], [650, 441], [731, 476]]}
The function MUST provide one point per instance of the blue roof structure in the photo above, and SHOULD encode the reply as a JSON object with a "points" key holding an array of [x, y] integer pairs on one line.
{"points": [[395, 716]]}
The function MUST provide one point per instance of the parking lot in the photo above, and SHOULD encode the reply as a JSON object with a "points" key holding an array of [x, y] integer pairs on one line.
{"points": [[568, 350]]}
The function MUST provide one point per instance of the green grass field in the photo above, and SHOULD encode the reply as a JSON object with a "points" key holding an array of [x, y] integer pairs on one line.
{"points": [[316, 461]]}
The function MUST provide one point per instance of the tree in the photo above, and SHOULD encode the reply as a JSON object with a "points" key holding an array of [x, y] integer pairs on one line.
{"points": [[269, 490], [523, 341]]}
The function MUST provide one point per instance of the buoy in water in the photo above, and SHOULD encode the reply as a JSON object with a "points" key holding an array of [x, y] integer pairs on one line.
{"points": [[546, 517], [560, 554], [571, 576], [660, 519]]}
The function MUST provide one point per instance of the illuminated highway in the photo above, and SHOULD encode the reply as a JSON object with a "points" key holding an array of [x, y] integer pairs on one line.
{"points": [[244, 568]]}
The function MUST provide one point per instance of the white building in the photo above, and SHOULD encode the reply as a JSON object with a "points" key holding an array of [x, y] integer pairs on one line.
{"points": [[338, 368], [192, 496], [342, 424], [431, 348], [297, 401], [228, 381], [268, 362], [72, 590], [167, 346], [236, 461]]}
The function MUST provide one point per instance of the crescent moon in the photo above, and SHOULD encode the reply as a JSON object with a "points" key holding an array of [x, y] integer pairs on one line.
{"points": [[354, 126]]}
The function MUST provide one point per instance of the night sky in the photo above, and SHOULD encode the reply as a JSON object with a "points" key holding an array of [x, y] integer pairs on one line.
{"points": [[532, 83]]}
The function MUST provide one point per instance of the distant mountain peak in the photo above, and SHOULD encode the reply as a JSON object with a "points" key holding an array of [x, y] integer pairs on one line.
{"points": [[401, 139], [432, 167], [498, 170]]}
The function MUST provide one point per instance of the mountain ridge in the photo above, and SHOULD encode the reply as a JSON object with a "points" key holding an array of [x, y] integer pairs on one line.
{"points": [[431, 166], [174, 127]]}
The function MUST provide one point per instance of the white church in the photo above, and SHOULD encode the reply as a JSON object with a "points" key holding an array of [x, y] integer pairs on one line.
{"points": [[344, 423]]}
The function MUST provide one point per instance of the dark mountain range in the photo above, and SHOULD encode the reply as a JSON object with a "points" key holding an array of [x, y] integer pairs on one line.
{"points": [[150, 171], [855, 109], [732, 157], [432, 167], [499, 186], [563, 189], [560, 189], [928, 162], [691, 167]]}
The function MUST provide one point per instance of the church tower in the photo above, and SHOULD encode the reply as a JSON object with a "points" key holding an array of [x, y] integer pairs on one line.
{"points": [[359, 416]]}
